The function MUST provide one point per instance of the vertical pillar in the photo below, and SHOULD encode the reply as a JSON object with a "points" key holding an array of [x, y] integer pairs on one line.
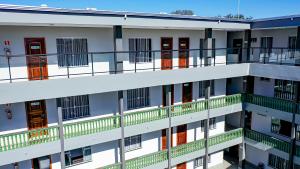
{"points": [[169, 132], [61, 136], [206, 124], [298, 38], [293, 129], [122, 140], [246, 46], [118, 46], [208, 45]]}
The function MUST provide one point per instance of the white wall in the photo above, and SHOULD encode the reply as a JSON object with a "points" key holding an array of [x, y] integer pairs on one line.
{"points": [[263, 87], [99, 40]]}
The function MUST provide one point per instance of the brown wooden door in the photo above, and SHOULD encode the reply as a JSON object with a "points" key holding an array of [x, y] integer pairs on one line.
{"points": [[164, 93], [184, 53], [181, 139], [164, 139], [36, 114], [37, 66], [166, 53], [187, 92], [181, 166]]}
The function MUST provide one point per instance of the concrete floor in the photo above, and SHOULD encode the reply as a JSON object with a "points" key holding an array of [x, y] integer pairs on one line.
{"points": [[229, 163]]}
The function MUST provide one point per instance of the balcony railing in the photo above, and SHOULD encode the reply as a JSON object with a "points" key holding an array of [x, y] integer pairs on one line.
{"points": [[184, 149], [268, 140], [271, 102], [44, 135], [24, 139], [48, 66]]}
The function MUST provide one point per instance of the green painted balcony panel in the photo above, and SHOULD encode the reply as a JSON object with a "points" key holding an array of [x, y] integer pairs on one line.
{"points": [[268, 140], [22, 139], [28, 138], [270, 102], [184, 149]]}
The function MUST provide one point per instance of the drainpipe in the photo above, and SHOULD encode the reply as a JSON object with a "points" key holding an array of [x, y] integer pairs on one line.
{"points": [[206, 124], [61, 137], [122, 140]]}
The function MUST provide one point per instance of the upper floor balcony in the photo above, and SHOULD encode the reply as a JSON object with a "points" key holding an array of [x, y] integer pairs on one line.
{"points": [[38, 66]]}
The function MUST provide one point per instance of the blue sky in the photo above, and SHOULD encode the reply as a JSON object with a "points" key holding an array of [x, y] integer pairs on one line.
{"points": [[254, 8]]}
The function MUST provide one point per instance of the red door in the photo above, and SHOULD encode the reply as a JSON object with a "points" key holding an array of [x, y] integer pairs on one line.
{"points": [[36, 114], [181, 139], [164, 139], [37, 66], [166, 53], [184, 53]]}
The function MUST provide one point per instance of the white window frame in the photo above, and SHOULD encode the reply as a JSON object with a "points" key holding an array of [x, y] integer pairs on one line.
{"points": [[86, 153], [134, 143], [138, 98], [136, 53]]}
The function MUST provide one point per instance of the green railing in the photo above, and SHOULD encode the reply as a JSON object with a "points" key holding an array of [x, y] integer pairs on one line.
{"points": [[21, 139], [268, 140], [270, 102], [184, 149], [91, 126], [27, 138]]}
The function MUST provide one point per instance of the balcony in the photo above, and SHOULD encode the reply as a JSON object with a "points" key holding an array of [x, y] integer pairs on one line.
{"points": [[88, 132], [16, 68], [266, 142], [182, 150]]}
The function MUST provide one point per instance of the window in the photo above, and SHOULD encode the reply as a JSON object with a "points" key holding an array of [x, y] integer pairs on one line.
{"points": [[133, 143], [199, 161], [278, 162], [266, 44], [253, 40], [140, 50], [202, 88], [212, 124], [281, 127], [285, 89], [72, 52], [292, 46], [41, 163], [265, 79], [298, 132], [77, 156], [137, 98], [74, 107]]}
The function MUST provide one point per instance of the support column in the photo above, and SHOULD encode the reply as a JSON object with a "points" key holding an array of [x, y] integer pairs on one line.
{"points": [[61, 136], [206, 124], [118, 46], [298, 38], [122, 140], [246, 46], [293, 130], [169, 131], [208, 45]]}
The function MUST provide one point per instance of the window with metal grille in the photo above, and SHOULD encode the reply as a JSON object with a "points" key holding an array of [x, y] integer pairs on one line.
{"points": [[140, 50], [212, 124], [72, 52], [278, 162], [199, 161], [138, 98], [74, 107], [202, 88], [133, 143], [284, 89], [77, 156]]}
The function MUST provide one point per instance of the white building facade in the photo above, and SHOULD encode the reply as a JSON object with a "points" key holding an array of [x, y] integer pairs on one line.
{"points": [[101, 89]]}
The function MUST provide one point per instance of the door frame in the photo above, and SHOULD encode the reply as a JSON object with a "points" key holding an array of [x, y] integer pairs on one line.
{"points": [[161, 54], [32, 162], [183, 93], [187, 53], [44, 52], [44, 109]]}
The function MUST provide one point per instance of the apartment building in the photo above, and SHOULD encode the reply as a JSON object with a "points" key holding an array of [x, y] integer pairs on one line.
{"points": [[102, 89]]}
